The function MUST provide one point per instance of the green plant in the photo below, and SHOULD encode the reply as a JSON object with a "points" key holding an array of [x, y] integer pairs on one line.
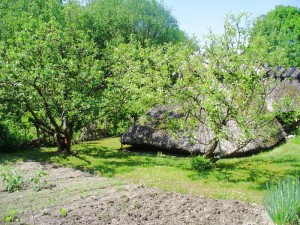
{"points": [[12, 181], [37, 181], [160, 154], [200, 164], [63, 212], [10, 138], [10, 218], [282, 201]]}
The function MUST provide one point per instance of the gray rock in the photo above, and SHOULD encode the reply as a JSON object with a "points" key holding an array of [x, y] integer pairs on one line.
{"points": [[199, 141], [289, 87]]}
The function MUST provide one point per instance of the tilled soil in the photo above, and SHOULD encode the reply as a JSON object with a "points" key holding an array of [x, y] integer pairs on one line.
{"points": [[74, 197]]}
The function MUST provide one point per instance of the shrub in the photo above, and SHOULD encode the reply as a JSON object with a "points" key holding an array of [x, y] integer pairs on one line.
{"points": [[201, 164], [282, 201], [10, 137]]}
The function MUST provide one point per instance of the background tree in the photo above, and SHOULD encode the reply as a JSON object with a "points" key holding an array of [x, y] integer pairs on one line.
{"points": [[115, 21], [50, 67], [281, 27], [141, 77]]}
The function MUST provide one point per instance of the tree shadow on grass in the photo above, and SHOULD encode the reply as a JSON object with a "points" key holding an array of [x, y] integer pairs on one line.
{"points": [[107, 161], [91, 158], [18, 155], [255, 172], [112, 160]]}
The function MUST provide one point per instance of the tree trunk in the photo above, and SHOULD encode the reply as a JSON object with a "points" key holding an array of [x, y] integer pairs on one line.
{"points": [[69, 137], [60, 143], [64, 141], [209, 154], [68, 142]]}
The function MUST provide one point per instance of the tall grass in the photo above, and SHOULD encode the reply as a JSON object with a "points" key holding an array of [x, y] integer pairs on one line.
{"points": [[282, 201]]}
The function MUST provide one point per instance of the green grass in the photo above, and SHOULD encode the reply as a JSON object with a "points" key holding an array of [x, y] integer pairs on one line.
{"points": [[239, 179]]}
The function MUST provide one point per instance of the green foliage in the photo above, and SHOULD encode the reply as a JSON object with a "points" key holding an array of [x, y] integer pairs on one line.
{"points": [[281, 28], [63, 212], [50, 68], [12, 180], [283, 201], [62, 66], [201, 164], [14, 133], [11, 218], [115, 21], [8, 140], [140, 77], [37, 180]]}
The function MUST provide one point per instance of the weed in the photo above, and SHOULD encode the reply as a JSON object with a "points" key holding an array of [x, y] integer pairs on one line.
{"points": [[200, 164], [37, 181], [283, 201], [63, 212], [11, 217], [12, 181], [160, 154], [137, 205], [45, 212]]}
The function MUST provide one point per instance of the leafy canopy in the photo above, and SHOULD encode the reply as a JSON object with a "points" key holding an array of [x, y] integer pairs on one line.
{"points": [[49, 65], [115, 21], [281, 28]]}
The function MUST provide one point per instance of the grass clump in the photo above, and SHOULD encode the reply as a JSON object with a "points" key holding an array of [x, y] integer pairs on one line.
{"points": [[201, 164], [282, 201]]}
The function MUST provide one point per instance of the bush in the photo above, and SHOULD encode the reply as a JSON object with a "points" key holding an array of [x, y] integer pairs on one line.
{"points": [[282, 201], [9, 139], [201, 164]]}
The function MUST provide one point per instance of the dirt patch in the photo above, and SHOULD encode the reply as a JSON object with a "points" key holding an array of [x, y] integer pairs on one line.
{"points": [[74, 197]]}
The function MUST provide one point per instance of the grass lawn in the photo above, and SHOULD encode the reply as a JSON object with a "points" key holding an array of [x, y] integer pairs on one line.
{"points": [[239, 179]]}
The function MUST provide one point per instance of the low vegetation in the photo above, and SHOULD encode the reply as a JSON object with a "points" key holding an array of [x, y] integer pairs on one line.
{"points": [[282, 201], [201, 164], [11, 217], [14, 181], [239, 178]]}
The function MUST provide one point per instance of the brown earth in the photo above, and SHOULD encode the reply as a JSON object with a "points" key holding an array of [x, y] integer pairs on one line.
{"points": [[91, 199]]}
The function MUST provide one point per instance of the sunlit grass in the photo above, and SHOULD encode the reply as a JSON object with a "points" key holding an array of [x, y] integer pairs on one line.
{"points": [[239, 178]]}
